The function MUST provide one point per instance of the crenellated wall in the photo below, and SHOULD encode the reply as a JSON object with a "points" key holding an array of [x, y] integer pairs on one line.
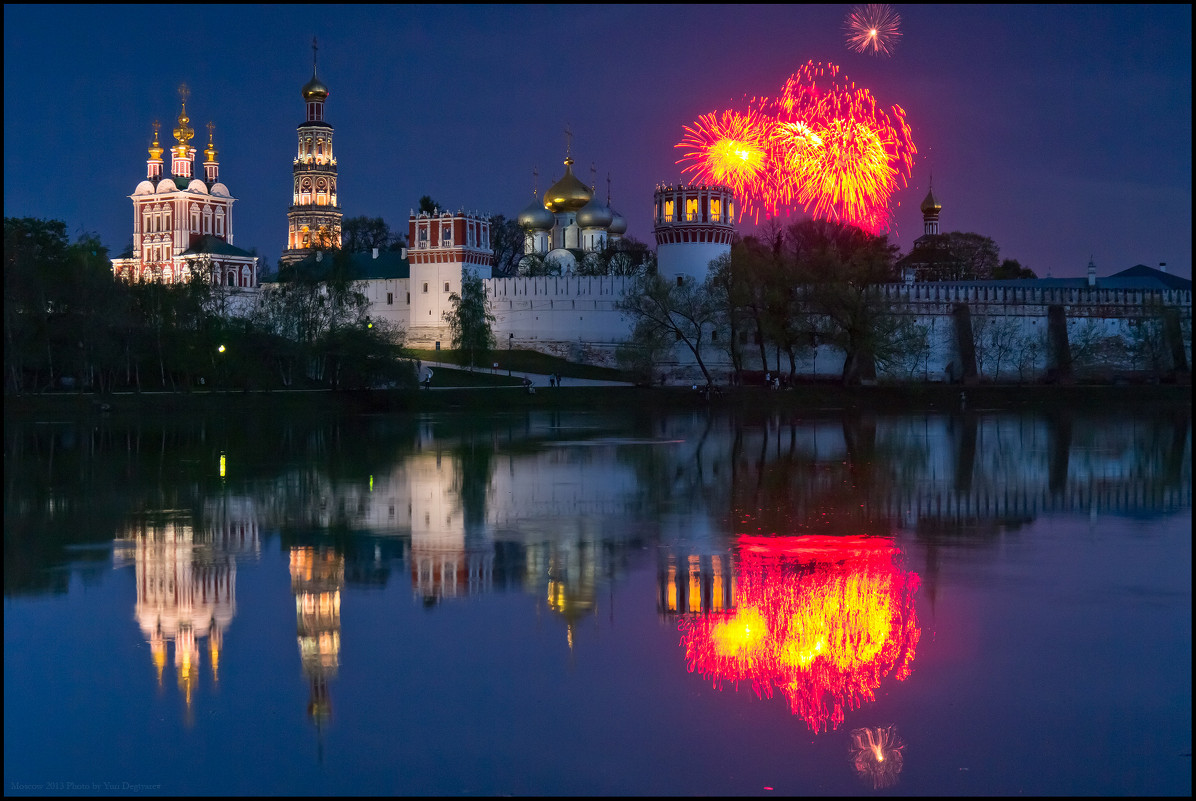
{"points": [[973, 331]]}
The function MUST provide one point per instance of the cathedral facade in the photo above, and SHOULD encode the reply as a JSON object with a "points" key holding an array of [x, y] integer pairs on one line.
{"points": [[182, 223]]}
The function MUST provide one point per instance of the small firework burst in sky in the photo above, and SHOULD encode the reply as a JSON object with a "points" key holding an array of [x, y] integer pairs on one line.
{"points": [[873, 28]]}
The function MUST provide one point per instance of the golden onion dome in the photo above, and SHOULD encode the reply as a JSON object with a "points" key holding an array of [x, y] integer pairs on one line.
{"points": [[930, 204], [595, 214], [314, 89], [535, 217], [567, 194], [618, 223]]}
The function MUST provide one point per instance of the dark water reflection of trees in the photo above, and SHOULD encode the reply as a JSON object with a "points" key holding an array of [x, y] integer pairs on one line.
{"points": [[71, 485]]}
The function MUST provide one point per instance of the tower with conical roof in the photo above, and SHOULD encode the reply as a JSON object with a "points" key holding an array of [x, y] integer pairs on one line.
{"points": [[314, 218]]}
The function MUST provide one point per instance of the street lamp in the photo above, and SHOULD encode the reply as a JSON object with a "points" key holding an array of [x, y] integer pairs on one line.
{"points": [[510, 343]]}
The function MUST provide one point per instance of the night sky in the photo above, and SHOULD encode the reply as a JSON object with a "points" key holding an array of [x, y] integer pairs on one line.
{"points": [[1061, 132]]}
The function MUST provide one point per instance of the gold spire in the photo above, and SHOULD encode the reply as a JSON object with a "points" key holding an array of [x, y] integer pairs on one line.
{"points": [[156, 150], [184, 132], [210, 151]]}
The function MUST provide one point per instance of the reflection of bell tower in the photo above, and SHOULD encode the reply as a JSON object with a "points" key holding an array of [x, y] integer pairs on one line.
{"points": [[317, 575]]}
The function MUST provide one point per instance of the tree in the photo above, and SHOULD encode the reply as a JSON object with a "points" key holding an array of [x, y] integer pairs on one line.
{"points": [[506, 242], [975, 256], [363, 234], [684, 309], [729, 292], [997, 341], [842, 268], [35, 268], [470, 319], [1010, 269], [427, 205]]}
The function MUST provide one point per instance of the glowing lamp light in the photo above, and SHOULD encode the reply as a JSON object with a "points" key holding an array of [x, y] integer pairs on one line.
{"points": [[220, 349], [222, 465]]}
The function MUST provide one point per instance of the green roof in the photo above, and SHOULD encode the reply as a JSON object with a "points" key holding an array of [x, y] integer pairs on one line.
{"points": [[363, 266], [214, 246]]}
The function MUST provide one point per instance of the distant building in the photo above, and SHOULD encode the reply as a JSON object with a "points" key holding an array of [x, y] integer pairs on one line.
{"points": [[930, 259], [314, 218], [183, 225], [569, 222]]}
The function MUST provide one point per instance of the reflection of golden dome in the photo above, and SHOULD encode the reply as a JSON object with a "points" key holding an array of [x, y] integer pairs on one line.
{"points": [[930, 204], [567, 194], [314, 90]]}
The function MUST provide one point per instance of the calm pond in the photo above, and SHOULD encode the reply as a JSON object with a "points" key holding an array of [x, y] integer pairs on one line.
{"points": [[551, 603]]}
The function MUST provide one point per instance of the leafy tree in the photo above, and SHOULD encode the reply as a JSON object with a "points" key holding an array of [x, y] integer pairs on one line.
{"points": [[640, 354], [363, 234], [997, 341], [506, 242], [427, 205], [470, 319], [35, 268], [534, 265], [1010, 269], [729, 292], [975, 256], [684, 309], [841, 268]]}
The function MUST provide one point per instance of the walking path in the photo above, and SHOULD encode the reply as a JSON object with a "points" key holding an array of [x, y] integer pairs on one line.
{"points": [[538, 379]]}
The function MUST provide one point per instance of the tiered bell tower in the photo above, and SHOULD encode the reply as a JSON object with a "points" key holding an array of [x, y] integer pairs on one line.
{"points": [[314, 218]]}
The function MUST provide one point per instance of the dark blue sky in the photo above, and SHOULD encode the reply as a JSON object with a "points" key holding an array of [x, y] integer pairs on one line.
{"points": [[1062, 132]]}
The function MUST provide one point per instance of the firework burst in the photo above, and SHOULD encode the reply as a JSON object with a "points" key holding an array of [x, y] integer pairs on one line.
{"points": [[873, 28], [731, 149], [822, 144]]}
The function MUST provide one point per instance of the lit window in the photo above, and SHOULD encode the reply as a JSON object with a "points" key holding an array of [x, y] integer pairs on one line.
{"points": [[691, 209], [668, 210], [716, 208]]}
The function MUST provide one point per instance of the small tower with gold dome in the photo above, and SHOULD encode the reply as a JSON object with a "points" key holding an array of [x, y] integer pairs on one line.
{"points": [[183, 154], [314, 218], [930, 212]]}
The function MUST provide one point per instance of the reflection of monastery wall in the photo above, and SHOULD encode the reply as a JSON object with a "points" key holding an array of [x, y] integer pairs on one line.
{"points": [[989, 466]]}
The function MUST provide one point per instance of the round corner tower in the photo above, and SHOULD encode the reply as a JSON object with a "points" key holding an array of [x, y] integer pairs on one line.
{"points": [[693, 225]]}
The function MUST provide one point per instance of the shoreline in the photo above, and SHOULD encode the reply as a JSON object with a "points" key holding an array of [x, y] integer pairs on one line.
{"points": [[938, 398]]}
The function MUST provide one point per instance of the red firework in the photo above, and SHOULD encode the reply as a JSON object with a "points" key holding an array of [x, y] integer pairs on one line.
{"points": [[873, 28], [823, 144], [731, 149]]}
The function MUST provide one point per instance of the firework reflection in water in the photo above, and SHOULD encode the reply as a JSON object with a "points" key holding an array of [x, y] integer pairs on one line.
{"points": [[877, 755], [823, 619]]}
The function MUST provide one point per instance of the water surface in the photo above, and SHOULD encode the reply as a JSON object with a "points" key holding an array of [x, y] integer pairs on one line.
{"points": [[582, 603]]}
